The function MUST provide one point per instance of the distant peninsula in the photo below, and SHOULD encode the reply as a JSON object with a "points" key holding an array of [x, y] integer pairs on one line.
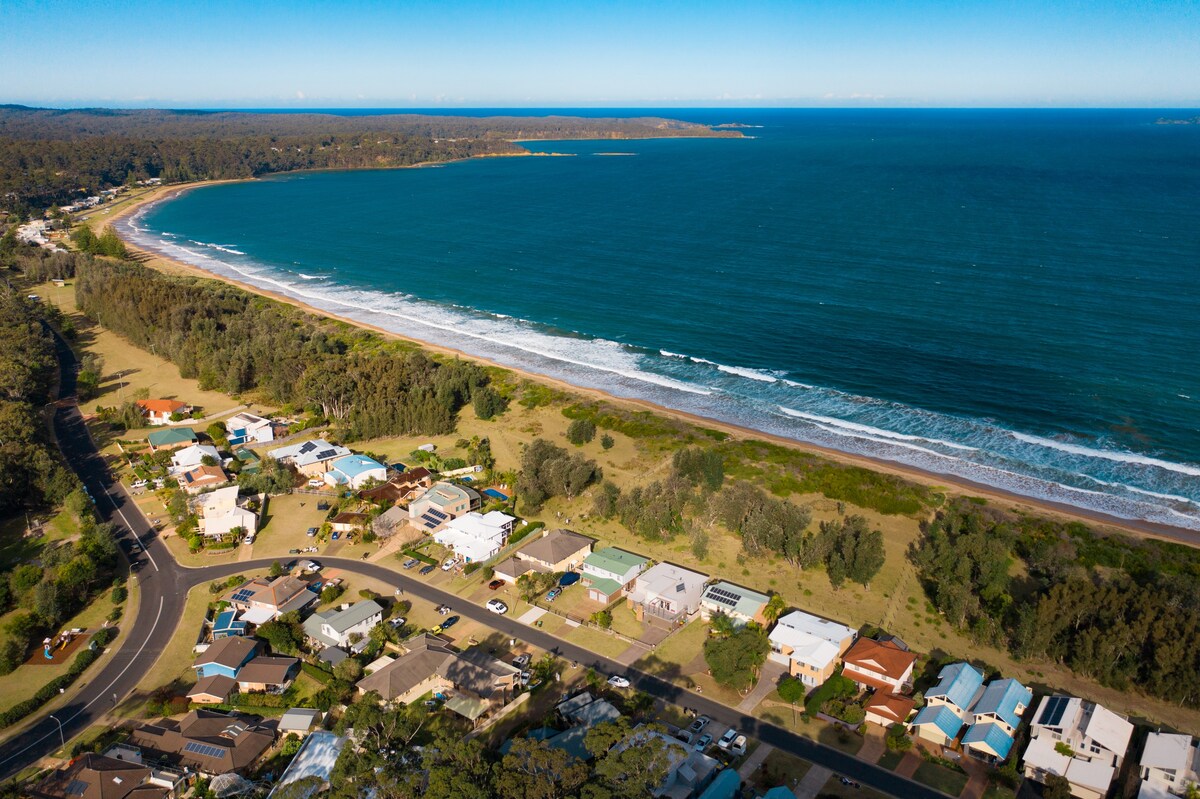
{"points": [[1179, 121], [55, 156]]}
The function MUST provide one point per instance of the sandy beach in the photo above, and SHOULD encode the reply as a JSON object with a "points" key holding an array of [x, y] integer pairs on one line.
{"points": [[952, 485]]}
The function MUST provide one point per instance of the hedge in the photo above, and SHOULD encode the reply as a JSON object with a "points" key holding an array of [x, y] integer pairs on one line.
{"points": [[412, 553], [523, 531]]}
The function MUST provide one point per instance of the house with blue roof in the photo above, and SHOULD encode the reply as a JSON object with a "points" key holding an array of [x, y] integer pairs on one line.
{"points": [[996, 717], [225, 657], [948, 704], [354, 471]]}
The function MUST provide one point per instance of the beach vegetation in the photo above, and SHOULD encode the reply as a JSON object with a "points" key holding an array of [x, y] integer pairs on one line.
{"points": [[581, 431], [550, 471], [735, 657]]}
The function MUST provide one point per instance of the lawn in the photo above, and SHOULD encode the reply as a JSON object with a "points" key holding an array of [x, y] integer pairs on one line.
{"points": [[998, 791], [780, 768], [834, 788], [889, 760], [598, 641], [829, 734], [941, 778], [677, 651], [174, 664]]}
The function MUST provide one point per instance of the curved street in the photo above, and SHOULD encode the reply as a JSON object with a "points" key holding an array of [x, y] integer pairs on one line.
{"points": [[164, 586]]}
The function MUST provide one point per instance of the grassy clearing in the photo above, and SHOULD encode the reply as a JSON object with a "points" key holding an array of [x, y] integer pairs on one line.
{"points": [[940, 778], [889, 760], [780, 768], [834, 788], [598, 641]]}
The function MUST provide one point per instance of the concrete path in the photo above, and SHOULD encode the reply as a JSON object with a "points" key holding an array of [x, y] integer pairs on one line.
{"points": [[756, 759], [532, 615], [813, 782], [768, 678], [873, 746], [212, 417], [633, 652]]}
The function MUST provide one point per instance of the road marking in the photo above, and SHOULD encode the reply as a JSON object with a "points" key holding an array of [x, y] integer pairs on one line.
{"points": [[113, 682]]}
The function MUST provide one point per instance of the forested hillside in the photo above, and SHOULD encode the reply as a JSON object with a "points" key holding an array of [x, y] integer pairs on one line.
{"points": [[50, 156], [234, 341]]}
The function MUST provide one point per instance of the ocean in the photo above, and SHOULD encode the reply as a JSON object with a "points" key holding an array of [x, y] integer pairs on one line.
{"points": [[1010, 297]]}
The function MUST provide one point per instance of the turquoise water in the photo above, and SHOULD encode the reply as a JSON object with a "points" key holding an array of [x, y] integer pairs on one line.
{"points": [[1012, 297]]}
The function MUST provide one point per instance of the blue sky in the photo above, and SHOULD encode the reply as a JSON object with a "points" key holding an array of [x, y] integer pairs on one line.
{"points": [[396, 54]]}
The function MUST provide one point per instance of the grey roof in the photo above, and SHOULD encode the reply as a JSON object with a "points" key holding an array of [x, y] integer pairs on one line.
{"points": [[299, 718], [473, 670], [340, 620], [332, 655], [556, 545]]}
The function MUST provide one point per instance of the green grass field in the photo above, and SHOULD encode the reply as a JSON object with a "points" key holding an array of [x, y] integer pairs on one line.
{"points": [[941, 778]]}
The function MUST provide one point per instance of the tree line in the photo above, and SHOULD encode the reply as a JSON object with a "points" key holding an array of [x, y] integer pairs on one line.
{"points": [[234, 341], [1042, 589], [51, 157]]}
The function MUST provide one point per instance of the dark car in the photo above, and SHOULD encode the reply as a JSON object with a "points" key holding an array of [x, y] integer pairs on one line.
{"points": [[428, 569], [494, 584], [449, 622]]}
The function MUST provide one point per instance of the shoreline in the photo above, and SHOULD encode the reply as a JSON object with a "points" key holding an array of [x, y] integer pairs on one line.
{"points": [[952, 484]]}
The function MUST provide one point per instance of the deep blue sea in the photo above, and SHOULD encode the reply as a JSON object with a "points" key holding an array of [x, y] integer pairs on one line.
{"points": [[1012, 297]]}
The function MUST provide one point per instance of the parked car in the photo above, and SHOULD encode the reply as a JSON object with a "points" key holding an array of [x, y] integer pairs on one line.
{"points": [[408, 564], [293, 552], [336, 535], [249, 540], [849, 783], [618, 682], [738, 747], [449, 564], [727, 739], [316, 482], [397, 622], [521, 661], [698, 724], [703, 743], [428, 569], [443, 609], [494, 584], [553, 595], [496, 606], [322, 505], [446, 625], [685, 736], [525, 677], [311, 566], [139, 484], [312, 532]]}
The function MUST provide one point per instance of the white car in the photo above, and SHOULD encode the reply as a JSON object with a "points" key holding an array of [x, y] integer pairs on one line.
{"points": [[496, 606], [727, 739], [450, 564], [315, 483], [618, 682], [738, 747], [249, 539]]}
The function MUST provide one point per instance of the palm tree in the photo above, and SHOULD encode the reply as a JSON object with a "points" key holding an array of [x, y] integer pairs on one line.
{"points": [[774, 609]]}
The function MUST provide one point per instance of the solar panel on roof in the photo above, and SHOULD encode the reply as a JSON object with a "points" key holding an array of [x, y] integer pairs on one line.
{"points": [[328, 453], [242, 595], [1055, 707], [203, 750], [723, 596], [308, 447]]}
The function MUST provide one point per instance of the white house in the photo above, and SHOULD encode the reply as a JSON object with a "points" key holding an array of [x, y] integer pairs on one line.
{"points": [[354, 471], [475, 536], [220, 513], [1170, 763], [809, 645], [667, 591], [193, 456], [335, 627], [311, 458], [244, 428], [1079, 740]]}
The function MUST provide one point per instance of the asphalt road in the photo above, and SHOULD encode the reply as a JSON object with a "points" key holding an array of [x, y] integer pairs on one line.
{"points": [[164, 587]]}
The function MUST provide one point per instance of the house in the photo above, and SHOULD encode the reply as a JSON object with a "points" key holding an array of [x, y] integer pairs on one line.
{"points": [[390, 522], [249, 459], [879, 666], [314, 761], [262, 599], [996, 715], [310, 458], [94, 776], [555, 551], [227, 623], [809, 645], [247, 428], [220, 513], [300, 720], [442, 502], [585, 710], [160, 411], [189, 458], [355, 471], [667, 592], [430, 665], [725, 786], [609, 572], [1079, 740], [886, 709], [947, 704], [267, 674], [335, 627], [212, 690], [201, 478], [225, 657], [171, 439], [206, 741], [476, 537], [400, 488], [348, 522], [1170, 763], [741, 605]]}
